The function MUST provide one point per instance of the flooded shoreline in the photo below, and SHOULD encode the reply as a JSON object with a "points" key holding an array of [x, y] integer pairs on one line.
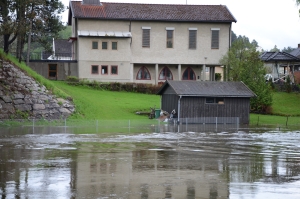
{"points": [[164, 163]]}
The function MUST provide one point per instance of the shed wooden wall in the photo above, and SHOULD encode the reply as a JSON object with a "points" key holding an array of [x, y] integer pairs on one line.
{"points": [[195, 107]]}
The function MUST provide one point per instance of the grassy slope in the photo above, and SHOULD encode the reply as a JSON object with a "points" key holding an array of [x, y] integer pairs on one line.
{"points": [[286, 103], [97, 104]]}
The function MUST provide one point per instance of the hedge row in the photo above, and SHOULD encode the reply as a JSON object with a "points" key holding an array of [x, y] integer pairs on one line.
{"points": [[115, 86]]}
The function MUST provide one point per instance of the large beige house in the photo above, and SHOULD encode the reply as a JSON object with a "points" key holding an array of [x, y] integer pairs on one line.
{"points": [[148, 43]]}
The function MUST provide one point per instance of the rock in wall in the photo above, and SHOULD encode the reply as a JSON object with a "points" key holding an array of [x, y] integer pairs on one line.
{"points": [[21, 97]]}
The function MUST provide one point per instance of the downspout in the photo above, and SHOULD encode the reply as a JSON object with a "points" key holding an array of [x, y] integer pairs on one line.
{"points": [[229, 46], [178, 116], [130, 32]]}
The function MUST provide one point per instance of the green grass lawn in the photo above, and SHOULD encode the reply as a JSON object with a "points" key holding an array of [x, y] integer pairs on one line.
{"points": [[107, 105], [286, 103]]}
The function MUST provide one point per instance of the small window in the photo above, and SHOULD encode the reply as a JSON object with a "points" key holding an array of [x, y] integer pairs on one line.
{"points": [[104, 70], [104, 45], [52, 70], [95, 45], [95, 69], [143, 74], [210, 100], [214, 39], [114, 70], [214, 100], [170, 38], [192, 39], [114, 45], [165, 74], [146, 38], [189, 74]]}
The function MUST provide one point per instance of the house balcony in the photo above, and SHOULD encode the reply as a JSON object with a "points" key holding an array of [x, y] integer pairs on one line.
{"points": [[49, 57]]}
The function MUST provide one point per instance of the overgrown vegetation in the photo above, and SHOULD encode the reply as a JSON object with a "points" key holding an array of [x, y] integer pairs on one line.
{"points": [[114, 86], [242, 63]]}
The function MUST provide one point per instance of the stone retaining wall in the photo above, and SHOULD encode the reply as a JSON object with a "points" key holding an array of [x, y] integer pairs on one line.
{"points": [[22, 97]]}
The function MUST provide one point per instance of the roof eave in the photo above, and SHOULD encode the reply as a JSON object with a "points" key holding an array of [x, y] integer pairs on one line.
{"points": [[159, 20]]}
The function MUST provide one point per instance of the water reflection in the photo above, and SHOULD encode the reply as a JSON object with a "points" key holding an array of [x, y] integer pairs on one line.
{"points": [[166, 164]]}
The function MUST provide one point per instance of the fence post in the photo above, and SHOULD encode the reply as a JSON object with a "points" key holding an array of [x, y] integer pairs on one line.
{"points": [[186, 124], [97, 126], [237, 123], [129, 126], [33, 125], [65, 125]]}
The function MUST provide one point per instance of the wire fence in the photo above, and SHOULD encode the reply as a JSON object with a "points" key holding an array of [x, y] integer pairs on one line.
{"points": [[78, 126], [119, 126]]}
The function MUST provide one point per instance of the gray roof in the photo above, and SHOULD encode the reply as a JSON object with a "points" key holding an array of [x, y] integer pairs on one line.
{"points": [[296, 52], [208, 88], [278, 57]]}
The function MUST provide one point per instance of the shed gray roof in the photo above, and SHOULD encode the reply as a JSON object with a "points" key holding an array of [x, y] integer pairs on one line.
{"points": [[150, 12], [208, 88]]}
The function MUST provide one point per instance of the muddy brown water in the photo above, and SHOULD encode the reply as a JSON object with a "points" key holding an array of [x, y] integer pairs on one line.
{"points": [[233, 163]]}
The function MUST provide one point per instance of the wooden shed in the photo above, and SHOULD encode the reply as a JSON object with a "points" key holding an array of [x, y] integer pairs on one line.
{"points": [[206, 99]]}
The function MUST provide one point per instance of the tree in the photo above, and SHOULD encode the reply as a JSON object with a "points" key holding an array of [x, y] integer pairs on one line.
{"points": [[298, 3], [242, 63], [16, 17], [288, 49], [275, 49]]}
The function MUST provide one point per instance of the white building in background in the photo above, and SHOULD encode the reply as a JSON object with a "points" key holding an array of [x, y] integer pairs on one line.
{"points": [[148, 43]]}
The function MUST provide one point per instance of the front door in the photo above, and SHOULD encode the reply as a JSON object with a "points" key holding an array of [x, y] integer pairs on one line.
{"points": [[52, 74]]}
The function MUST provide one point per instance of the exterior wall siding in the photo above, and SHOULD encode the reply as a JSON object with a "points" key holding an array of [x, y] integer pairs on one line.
{"points": [[195, 107], [64, 69], [130, 55]]}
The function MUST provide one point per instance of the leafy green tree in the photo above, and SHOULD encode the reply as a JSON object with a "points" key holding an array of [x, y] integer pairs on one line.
{"points": [[288, 49], [242, 63], [21, 18], [275, 49]]}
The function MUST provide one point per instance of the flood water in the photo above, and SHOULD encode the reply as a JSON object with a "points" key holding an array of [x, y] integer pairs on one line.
{"points": [[230, 163]]}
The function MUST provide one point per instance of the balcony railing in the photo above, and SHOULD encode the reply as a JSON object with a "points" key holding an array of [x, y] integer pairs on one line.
{"points": [[48, 56]]}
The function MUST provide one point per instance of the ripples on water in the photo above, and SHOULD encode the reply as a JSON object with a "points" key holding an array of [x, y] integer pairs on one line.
{"points": [[190, 164]]}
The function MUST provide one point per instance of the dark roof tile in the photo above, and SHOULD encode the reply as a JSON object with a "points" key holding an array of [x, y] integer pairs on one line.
{"points": [[278, 57], [155, 12], [208, 88]]}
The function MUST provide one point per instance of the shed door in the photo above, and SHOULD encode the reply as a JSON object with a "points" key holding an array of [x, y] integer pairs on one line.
{"points": [[52, 71]]}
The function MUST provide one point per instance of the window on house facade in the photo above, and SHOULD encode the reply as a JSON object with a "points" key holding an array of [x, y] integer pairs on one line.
{"points": [[94, 45], [146, 37], [192, 38], [95, 69], [170, 37], [143, 74], [114, 70], [114, 45], [104, 70], [165, 74], [214, 100], [104, 45], [215, 38], [189, 74]]}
